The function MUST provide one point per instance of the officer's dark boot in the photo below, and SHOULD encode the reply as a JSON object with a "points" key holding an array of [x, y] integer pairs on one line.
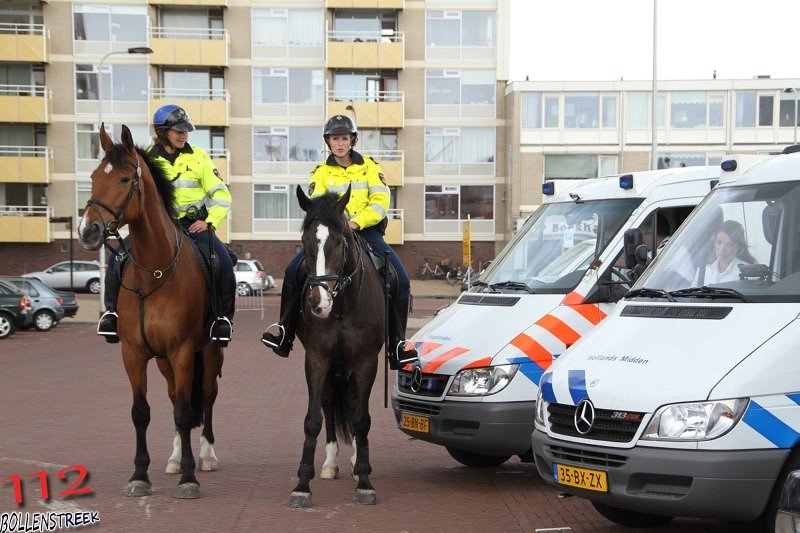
{"points": [[282, 340], [107, 326], [222, 328], [401, 351]]}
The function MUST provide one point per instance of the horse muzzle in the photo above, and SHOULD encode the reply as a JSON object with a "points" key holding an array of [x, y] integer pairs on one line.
{"points": [[321, 301], [90, 234]]}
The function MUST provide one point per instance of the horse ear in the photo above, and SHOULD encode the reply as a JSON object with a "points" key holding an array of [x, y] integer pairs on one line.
{"points": [[342, 203], [105, 140], [305, 203], [127, 139]]}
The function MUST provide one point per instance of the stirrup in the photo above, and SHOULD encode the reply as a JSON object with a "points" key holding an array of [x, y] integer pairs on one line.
{"points": [[405, 356], [270, 343], [110, 333], [225, 337]]}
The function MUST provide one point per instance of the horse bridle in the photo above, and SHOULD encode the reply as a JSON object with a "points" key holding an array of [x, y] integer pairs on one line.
{"points": [[341, 281]]}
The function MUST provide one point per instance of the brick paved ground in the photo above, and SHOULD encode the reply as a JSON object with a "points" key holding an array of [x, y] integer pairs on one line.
{"points": [[66, 401]]}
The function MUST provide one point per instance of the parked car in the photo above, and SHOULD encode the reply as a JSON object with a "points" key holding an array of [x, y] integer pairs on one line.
{"points": [[15, 310], [46, 304], [251, 277], [86, 276], [69, 301]]}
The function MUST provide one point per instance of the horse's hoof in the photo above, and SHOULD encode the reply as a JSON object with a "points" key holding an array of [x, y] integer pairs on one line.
{"points": [[300, 500], [173, 467], [208, 465], [139, 488], [188, 491], [366, 497], [329, 472]]}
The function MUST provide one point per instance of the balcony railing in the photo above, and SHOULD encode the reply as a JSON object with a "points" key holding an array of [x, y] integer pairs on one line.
{"points": [[395, 233], [365, 4], [164, 32], [7, 28], [373, 109], [25, 223], [24, 42], [189, 46], [366, 49], [222, 160], [25, 164], [207, 107], [24, 103], [391, 162]]}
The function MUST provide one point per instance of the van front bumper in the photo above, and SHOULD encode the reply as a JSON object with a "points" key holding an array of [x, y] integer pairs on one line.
{"points": [[484, 428], [730, 485]]}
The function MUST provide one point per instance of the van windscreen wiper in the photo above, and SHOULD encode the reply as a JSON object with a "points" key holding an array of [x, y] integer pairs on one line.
{"points": [[649, 293], [711, 292], [513, 285]]}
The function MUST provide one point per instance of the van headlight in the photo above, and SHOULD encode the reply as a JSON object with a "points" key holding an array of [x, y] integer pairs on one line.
{"points": [[538, 416], [482, 381], [695, 421]]}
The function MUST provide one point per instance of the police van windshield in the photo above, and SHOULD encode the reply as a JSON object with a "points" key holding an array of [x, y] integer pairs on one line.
{"points": [[557, 245], [742, 244]]}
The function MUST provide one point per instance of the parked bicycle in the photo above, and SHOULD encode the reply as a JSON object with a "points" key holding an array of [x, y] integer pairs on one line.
{"points": [[425, 272]]}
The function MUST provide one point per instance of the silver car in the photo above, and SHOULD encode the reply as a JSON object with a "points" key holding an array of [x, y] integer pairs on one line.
{"points": [[85, 276], [46, 304], [251, 277]]}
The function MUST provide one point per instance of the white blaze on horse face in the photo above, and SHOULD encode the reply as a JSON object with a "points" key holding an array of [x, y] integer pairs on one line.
{"points": [[325, 302]]}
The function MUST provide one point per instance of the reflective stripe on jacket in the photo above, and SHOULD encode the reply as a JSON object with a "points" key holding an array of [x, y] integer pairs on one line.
{"points": [[197, 183], [369, 195]]}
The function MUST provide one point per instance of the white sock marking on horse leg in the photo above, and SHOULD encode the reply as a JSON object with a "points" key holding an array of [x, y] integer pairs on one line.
{"points": [[330, 469], [208, 459], [353, 460], [174, 462]]}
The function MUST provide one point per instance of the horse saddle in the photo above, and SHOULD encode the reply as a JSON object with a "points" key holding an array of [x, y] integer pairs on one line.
{"points": [[209, 268]]}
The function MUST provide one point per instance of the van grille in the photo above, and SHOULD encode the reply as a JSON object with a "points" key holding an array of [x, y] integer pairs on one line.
{"points": [[608, 425], [586, 457], [418, 407], [433, 385]]}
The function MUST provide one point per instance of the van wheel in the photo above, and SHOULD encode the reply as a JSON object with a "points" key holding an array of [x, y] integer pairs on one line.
{"points": [[6, 326], [629, 518], [243, 289], [477, 459], [93, 286], [44, 320], [768, 518]]}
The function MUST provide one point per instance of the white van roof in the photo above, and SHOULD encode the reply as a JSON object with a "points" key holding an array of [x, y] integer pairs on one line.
{"points": [[781, 167]]}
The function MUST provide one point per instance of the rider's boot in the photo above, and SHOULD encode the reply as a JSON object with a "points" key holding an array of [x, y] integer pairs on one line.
{"points": [[222, 328], [401, 351], [107, 326], [282, 340]]}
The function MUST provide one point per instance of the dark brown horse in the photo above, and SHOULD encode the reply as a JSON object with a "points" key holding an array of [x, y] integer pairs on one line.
{"points": [[162, 307], [342, 331]]}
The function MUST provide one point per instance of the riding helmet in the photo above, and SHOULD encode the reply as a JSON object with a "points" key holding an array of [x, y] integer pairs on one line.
{"points": [[340, 124], [172, 117]]}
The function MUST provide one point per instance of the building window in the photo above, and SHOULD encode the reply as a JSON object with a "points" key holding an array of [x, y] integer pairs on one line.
{"points": [[459, 87], [766, 104], [786, 110], [287, 86], [459, 152], [120, 24], [295, 143], [87, 142], [447, 206], [570, 166], [688, 109], [716, 110], [681, 159], [531, 110], [745, 109], [365, 86], [83, 191], [120, 82], [460, 28], [581, 110], [276, 202], [639, 112], [292, 27]]}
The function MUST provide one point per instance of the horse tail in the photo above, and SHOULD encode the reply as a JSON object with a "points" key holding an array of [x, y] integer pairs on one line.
{"points": [[341, 410], [197, 390]]}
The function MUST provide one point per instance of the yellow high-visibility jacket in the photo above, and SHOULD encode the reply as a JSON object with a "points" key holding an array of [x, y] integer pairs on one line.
{"points": [[196, 181], [369, 195]]}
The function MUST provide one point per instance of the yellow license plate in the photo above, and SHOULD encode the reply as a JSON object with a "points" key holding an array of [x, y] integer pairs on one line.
{"points": [[416, 423], [582, 478]]}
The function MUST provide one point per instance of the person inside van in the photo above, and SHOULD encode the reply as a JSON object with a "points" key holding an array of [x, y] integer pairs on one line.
{"points": [[730, 251]]}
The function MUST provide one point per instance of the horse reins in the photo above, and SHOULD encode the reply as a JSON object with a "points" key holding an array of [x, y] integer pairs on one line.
{"points": [[341, 281]]}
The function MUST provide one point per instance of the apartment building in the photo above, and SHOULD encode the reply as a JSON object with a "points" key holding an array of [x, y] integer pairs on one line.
{"points": [[423, 79]]}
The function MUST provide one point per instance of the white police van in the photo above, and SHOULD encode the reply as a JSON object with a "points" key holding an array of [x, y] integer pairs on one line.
{"points": [[686, 402], [481, 358]]}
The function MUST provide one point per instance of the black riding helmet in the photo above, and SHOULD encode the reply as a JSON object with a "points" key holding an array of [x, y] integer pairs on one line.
{"points": [[338, 124]]}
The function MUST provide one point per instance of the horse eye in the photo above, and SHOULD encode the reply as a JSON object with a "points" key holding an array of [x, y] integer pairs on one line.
{"points": [[126, 179]]}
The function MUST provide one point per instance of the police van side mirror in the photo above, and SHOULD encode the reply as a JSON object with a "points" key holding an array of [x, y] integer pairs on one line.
{"points": [[632, 239]]}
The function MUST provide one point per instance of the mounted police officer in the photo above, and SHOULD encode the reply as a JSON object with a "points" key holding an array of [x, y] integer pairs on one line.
{"points": [[201, 199], [369, 201]]}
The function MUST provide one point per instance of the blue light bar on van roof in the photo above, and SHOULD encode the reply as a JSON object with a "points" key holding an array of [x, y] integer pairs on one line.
{"points": [[626, 181], [729, 165], [548, 188], [713, 183]]}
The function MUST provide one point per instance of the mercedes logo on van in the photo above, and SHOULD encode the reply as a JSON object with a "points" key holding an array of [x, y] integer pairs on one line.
{"points": [[584, 416], [416, 379]]}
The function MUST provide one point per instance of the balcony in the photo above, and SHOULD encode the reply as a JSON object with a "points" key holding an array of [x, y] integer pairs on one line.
{"points": [[379, 109], [362, 49], [24, 42], [24, 223], [189, 46], [220, 3], [222, 160], [394, 231], [391, 162], [24, 103], [206, 107], [25, 164], [365, 4]]}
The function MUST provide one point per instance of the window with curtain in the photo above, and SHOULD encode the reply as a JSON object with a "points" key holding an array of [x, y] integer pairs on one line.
{"points": [[275, 202], [531, 109], [283, 86], [786, 111], [478, 28], [638, 110], [459, 145], [120, 82], [83, 191], [295, 27], [115, 23], [581, 110], [609, 111], [688, 109], [745, 109], [459, 87], [460, 28], [557, 166], [87, 137], [295, 143], [551, 112], [716, 110]]}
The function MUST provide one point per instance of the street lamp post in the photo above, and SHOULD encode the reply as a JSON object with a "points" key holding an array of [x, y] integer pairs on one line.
{"points": [[352, 110], [653, 112], [134, 50], [794, 91]]}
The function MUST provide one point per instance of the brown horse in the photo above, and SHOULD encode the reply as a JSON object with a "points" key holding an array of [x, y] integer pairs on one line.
{"points": [[162, 309], [342, 331]]}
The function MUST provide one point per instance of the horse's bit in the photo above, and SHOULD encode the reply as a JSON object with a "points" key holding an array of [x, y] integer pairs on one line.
{"points": [[341, 280]]}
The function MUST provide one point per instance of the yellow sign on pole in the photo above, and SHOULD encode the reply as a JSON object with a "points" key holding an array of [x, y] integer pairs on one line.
{"points": [[466, 249]]}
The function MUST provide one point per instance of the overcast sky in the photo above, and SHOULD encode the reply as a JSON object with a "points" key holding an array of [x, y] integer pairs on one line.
{"points": [[613, 39]]}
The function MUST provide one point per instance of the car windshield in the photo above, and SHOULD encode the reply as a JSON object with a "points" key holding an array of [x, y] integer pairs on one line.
{"points": [[740, 244], [557, 245]]}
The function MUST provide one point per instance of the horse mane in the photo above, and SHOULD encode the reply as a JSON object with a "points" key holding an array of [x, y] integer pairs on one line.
{"points": [[323, 208], [166, 189]]}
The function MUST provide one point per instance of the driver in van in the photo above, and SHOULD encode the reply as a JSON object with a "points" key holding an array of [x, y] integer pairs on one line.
{"points": [[730, 251]]}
